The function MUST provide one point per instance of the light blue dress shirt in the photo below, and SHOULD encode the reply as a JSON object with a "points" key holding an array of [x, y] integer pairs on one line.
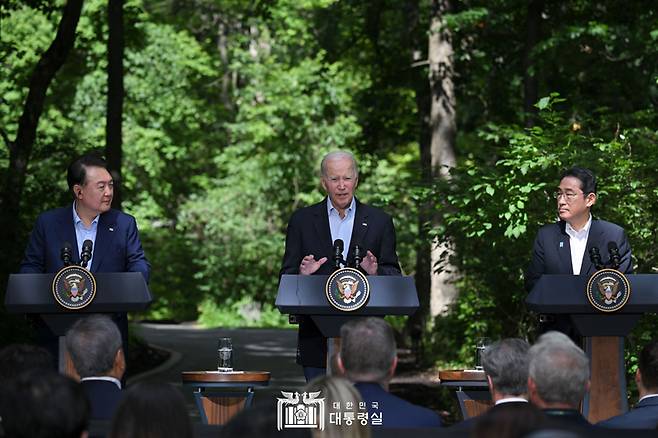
{"points": [[83, 233], [341, 228]]}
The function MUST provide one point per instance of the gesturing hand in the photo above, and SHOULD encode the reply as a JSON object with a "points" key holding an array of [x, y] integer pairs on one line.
{"points": [[309, 265], [369, 263]]}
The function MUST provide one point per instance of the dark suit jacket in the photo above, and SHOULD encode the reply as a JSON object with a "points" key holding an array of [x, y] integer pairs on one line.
{"points": [[396, 412], [552, 253], [309, 233], [104, 397], [469, 424], [643, 416], [117, 247]]}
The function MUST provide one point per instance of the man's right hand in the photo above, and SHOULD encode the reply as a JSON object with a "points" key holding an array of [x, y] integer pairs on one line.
{"points": [[309, 265]]}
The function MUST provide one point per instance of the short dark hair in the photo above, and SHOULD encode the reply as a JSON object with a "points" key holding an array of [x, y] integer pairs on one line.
{"points": [[585, 176], [43, 404], [506, 362], [648, 365], [77, 171], [19, 358], [93, 343], [152, 409], [367, 349]]}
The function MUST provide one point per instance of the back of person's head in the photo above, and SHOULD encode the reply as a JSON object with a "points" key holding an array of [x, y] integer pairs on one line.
{"points": [[367, 350], [77, 170], [585, 176], [506, 363], [260, 421], [93, 343], [509, 420], [43, 404], [19, 358], [151, 410], [338, 391], [648, 366], [559, 370]]}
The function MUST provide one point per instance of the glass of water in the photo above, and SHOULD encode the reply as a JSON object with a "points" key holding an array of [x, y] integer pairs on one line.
{"points": [[481, 344], [224, 355]]}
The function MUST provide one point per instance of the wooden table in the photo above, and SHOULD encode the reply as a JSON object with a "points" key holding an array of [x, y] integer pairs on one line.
{"points": [[471, 390], [219, 396]]}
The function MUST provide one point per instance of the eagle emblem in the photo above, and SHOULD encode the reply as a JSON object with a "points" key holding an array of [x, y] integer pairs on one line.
{"points": [[347, 289], [74, 287], [609, 289]]}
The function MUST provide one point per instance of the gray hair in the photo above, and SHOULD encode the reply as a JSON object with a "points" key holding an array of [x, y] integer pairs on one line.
{"points": [[338, 155], [506, 362], [93, 343], [367, 349], [559, 369]]}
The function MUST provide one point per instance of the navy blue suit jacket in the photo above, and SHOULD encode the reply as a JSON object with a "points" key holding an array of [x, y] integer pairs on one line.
{"points": [[643, 416], [104, 397], [396, 412], [117, 247], [309, 233], [552, 253]]}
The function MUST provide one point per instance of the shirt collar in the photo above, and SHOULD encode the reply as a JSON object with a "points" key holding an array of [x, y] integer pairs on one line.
{"points": [[330, 206], [512, 400], [647, 396], [77, 220], [572, 232], [106, 378]]}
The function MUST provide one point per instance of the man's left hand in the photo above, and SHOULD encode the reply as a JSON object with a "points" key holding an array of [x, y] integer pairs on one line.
{"points": [[369, 263]]}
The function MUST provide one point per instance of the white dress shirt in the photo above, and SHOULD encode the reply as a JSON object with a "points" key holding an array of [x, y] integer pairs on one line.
{"points": [[578, 244]]}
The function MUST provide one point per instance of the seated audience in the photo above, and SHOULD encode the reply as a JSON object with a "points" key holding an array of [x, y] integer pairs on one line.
{"points": [[19, 358], [505, 365], [645, 414], [151, 410], [340, 397], [368, 358], [42, 403], [558, 379], [509, 420], [94, 344]]}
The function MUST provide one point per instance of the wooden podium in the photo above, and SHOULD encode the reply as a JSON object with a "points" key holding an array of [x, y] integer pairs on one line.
{"points": [[603, 333]]}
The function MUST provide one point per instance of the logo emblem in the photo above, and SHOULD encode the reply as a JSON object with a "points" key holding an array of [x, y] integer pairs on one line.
{"points": [[347, 289], [608, 290], [74, 287], [293, 413]]}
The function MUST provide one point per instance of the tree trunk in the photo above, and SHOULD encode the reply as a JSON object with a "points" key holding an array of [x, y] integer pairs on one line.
{"points": [[21, 148], [530, 81], [443, 126], [115, 92]]}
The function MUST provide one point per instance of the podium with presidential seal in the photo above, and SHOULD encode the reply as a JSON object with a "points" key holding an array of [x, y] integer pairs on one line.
{"points": [[330, 301], [604, 308], [73, 292]]}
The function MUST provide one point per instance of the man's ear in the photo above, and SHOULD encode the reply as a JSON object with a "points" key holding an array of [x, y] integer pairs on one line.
{"points": [[394, 365], [591, 199], [490, 383], [339, 364], [77, 189], [324, 185]]}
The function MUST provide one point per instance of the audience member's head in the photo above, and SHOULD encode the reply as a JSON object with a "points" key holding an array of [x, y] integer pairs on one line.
{"points": [[19, 358], [647, 369], [43, 404], [151, 410], [367, 351], [260, 421], [558, 373], [338, 391], [509, 421], [94, 344], [506, 365]]}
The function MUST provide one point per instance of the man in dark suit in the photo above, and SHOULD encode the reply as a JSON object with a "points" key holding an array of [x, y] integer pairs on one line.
{"points": [[645, 413], [505, 365], [558, 379], [309, 242], [368, 358], [94, 344], [114, 235], [565, 247]]}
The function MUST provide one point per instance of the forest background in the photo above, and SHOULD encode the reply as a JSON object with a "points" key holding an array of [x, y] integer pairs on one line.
{"points": [[215, 113]]}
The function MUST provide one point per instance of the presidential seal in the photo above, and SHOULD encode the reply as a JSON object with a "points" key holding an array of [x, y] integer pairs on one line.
{"points": [[608, 290], [74, 287], [347, 289]]}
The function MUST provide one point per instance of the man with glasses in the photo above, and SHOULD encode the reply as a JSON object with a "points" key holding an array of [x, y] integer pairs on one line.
{"points": [[564, 247]]}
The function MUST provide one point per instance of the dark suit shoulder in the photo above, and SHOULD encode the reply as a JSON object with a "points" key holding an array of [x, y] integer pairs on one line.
{"points": [[309, 211]]}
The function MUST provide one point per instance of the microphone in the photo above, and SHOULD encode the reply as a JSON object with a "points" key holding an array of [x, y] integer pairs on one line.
{"points": [[86, 253], [338, 252], [358, 256], [66, 253], [615, 258], [595, 257]]}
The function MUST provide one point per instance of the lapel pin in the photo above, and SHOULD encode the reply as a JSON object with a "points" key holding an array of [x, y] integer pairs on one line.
{"points": [[111, 229], [365, 224], [561, 244]]}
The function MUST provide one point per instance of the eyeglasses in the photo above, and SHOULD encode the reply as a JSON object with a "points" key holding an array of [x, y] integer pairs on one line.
{"points": [[569, 196]]}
